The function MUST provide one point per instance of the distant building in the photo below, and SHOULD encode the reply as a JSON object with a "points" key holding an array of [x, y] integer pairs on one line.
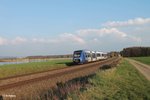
{"points": [[113, 54]]}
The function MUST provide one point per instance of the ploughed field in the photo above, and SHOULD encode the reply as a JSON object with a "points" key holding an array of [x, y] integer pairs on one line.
{"points": [[32, 67]]}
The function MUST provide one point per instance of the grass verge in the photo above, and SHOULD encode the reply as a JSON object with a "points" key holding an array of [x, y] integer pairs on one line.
{"points": [[19, 69], [121, 83], [145, 60]]}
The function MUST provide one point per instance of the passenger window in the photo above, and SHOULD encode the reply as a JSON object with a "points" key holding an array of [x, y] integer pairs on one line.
{"points": [[87, 55], [93, 55]]}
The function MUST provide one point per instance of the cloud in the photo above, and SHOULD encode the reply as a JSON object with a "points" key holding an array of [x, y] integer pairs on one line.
{"points": [[15, 41], [72, 37], [94, 37], [62, 38], [130, 22], [3, 41], [80, 37], [136, 39], [18, 40], [102, 32], [85, 36], [54, 40]]}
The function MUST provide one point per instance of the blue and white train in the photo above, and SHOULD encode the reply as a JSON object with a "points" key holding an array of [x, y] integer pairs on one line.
{"points": [[84, 56]]}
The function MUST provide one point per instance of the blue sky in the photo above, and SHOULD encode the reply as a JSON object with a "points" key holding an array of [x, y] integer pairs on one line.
{"points": [[44, 27]]}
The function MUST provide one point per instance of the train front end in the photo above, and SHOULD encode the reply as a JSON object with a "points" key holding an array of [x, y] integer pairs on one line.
{"points": [[78, 57]]}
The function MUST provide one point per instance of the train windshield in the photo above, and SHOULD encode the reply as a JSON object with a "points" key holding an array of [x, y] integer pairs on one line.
{"points": [[77, 53]]}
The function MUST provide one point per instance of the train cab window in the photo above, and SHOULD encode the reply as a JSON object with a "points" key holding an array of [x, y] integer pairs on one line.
{"points": [[77, 54]]}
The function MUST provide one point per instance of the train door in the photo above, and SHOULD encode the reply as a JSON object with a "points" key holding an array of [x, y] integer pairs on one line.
{"points": [[88, 57], [93, 56]]}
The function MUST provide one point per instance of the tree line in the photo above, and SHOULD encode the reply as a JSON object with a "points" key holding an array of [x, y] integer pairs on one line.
{"points": [[135, 51]]}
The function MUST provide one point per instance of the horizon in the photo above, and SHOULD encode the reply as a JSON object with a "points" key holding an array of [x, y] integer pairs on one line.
{"points": [[30, 28]]}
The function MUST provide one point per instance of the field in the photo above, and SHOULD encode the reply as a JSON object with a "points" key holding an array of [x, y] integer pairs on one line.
{"points": [[145, 60], [121, 83], [19, 69]]}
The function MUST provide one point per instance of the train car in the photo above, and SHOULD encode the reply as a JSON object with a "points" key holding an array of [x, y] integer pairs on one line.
{"points": [[93, 57], [99, 55], [104, 55], [84, 56]]}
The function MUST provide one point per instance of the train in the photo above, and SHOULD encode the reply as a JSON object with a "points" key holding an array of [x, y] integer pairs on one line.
{"points": [[85, 56]]}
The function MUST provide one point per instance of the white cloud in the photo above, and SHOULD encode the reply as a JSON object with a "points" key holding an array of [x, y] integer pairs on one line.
{"points": [[101, 35], [72, 37], [36, 40], [39, 40], [102, 32], [136, 39], [18, 40], [62, 38], [81, 37], [3, 41], [15, 41], [85, 36], [130, 22], [44, 40], [96, 38]]}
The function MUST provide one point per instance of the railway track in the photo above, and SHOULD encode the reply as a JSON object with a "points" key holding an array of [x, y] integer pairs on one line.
{"points": [[15, 81]]}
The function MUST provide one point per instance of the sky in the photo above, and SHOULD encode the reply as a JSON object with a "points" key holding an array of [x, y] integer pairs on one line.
{"points": [[53, 27]]}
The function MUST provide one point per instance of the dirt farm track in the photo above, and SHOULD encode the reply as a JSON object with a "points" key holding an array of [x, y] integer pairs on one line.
{"points": [[46, 79]]}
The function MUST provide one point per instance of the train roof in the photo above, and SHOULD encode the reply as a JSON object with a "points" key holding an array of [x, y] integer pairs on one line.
{"points": [[85, 50], [81, 50]]}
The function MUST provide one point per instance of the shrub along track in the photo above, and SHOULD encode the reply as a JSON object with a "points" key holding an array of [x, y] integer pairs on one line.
{"points": [[24, 80]]}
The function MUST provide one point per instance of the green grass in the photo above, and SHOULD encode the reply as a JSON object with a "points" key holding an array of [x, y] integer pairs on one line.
{"points": [[121, 83], [145, 60], [18, 69]]}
